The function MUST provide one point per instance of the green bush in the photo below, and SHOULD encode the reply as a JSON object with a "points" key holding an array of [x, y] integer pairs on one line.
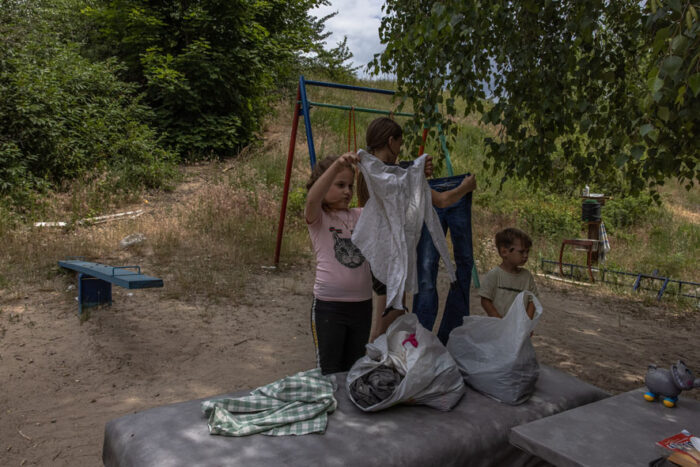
{"points": [[673, 250], [629, 211], [296, 202], [467, 151], [18, 186], [63, 117], [207, 68], [550, 216]]}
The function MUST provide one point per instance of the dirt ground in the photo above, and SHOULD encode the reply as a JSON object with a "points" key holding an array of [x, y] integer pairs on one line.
{"points": [[63, 380]]}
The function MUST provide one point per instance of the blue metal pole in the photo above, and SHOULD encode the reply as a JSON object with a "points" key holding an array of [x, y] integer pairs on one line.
{"points": [[443, 143], [637, 282], [359, 109], [350, 87], [663, 288], [307, 121]]}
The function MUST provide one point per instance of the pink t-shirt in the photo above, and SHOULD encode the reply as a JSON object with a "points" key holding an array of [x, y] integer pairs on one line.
{"points": [[342, 273]]}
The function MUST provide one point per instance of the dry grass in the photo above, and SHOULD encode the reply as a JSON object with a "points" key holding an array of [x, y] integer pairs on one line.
{"points": [[203, 238]]}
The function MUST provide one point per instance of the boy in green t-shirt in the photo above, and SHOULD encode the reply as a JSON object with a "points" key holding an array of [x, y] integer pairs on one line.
{"points": [[503, 283]]}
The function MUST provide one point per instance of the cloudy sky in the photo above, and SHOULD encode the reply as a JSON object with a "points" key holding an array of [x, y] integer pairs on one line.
{"points": [[359, 21]]}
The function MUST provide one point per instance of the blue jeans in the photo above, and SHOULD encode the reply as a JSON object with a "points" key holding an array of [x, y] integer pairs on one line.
{"points": [[457, 218]]}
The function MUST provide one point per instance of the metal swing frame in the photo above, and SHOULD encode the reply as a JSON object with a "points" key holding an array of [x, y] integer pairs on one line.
{"points": [[303, 108]]}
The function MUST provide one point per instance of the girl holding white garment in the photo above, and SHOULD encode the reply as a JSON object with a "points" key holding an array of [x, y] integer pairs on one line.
{"points": [[384, 139], [341, 314]]}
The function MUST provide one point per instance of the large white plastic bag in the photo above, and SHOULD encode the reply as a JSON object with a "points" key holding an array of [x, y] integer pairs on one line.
{"points": [[430, 374], [495, 355]]}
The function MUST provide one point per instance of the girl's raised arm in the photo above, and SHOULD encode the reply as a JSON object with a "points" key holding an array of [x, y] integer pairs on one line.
{"points": [[317, 192]]}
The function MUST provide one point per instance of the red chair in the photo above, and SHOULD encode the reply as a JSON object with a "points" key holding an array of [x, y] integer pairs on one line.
{"points": [[589, 245]]}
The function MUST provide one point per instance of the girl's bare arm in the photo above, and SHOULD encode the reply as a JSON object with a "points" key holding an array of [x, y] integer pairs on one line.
{"points": [[314, 198], [449, 197]]}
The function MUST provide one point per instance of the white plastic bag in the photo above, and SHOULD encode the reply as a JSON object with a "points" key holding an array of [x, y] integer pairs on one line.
{"points": [[430, 374], [495, 355]]}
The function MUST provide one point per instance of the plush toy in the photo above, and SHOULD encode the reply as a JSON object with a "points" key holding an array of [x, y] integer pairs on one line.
{"points": [[668, 384]]}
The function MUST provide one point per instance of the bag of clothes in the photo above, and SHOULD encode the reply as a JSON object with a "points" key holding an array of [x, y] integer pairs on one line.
{"points": [[406, 365], [495, 355]]}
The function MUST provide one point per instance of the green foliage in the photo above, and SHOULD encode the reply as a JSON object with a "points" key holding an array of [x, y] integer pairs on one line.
{"points": [[18, 186], [467, 150], [62, 116], [566, 81], [271, 172], [550, 216], [208, 67], [332, 63], [630, 211], [672, 249], [671, 107], [296, 202], [541, 215]]}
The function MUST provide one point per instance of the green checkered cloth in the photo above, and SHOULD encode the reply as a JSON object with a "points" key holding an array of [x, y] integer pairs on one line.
{"points": [[295, 405]]}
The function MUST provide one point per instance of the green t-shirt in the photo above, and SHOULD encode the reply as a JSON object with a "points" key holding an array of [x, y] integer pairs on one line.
{"points": [[501, 287]]}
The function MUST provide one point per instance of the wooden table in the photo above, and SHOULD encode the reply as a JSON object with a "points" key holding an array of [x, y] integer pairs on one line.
{"points": [[618, 431]]}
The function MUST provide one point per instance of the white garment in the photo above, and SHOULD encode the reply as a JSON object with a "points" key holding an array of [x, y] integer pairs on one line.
{"points": [[604, 247], [389, 227]]}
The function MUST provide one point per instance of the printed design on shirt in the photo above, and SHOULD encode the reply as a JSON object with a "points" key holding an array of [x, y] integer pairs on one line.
{"points": [[346, 252], [511, 289]]}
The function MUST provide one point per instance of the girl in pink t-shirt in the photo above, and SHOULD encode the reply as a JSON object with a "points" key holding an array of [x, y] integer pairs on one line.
{"points": [[341, 314]]}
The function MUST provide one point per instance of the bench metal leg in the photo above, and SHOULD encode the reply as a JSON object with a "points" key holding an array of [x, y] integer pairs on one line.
{"points": [[92, 292]]}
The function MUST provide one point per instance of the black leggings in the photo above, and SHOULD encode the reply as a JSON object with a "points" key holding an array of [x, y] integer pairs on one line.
{"points": [[379, 288], [340, 331]]}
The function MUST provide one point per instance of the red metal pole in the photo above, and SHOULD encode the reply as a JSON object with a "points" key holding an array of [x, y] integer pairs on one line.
{"points": [[422, 144], [288, 176]]}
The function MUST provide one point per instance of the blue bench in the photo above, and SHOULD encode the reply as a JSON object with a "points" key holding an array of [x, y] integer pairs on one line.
{"points": [[95, 281]]}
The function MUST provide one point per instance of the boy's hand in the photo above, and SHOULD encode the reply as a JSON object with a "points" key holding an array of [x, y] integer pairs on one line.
{"points": [[490, 308]]}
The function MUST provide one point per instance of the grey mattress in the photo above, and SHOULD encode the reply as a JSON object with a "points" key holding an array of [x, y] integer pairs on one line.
{"points": [[475, 433]]}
